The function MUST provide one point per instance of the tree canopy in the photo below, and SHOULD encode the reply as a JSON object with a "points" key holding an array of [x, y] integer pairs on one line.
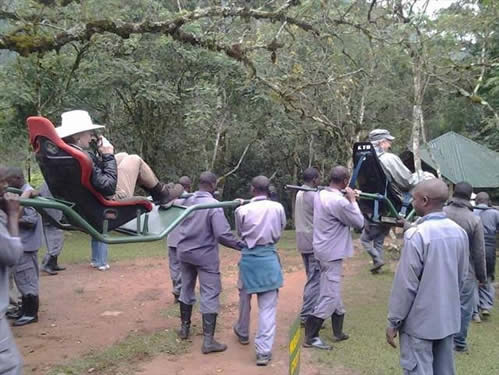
{"points": [[250, 87]]}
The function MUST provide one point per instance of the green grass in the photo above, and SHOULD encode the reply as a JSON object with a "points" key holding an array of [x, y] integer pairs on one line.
{"points": [[122, 357], [367, 353], [77, 249]]}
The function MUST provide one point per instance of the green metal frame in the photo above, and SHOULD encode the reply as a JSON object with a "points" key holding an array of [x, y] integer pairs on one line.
{"points": [[171, 217], [370, 196]]}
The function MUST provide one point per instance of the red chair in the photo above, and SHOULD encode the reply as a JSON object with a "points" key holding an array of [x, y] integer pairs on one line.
{"points": [[67, 172]]}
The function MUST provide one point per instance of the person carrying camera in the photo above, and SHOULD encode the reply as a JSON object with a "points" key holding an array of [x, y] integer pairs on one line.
{"points": [[113, 175]]}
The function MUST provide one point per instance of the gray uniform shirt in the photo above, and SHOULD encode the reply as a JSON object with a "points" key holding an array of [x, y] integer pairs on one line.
{"points": [[173, 236], [333, 217], [460, 211], [11, 250], [30, 227], [490, 222], [304, 221], [425, 301], [260, 222], [200, 233]]}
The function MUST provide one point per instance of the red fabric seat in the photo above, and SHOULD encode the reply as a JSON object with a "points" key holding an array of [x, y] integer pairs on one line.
{"points": [[67, 172]]}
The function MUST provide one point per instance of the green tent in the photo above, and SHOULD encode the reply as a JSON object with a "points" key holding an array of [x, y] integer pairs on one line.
{"points": [[461, 159]]}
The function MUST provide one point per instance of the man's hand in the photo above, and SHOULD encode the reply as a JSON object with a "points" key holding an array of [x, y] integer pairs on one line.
{"points": [[12, 206], [350, 194], [391, 333], [104, 146], [30, 194]]}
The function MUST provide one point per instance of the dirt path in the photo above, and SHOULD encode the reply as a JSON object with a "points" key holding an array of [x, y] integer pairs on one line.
{"points": [[84, 310]]}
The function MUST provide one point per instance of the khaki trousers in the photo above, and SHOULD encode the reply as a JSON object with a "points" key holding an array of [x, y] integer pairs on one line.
{"points": [[132, 170]]}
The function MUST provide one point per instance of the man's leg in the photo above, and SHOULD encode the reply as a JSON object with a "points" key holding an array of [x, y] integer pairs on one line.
{"points": [[241, 328], [264, 340], [54, 240], [443, 356], [467, 303], [175, 274], [486, 294], [26, 277], [327, 303], [132, 170], [210, 286], [312, 286], [11, 362], [187, 297], [416, 355]]}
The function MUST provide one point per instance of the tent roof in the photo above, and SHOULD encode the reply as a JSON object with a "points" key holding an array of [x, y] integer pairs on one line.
{"points": [[461, 159]]}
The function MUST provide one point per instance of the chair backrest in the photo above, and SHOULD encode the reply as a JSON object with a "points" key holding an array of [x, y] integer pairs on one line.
{"points": [[371, 178], [68, 172]]}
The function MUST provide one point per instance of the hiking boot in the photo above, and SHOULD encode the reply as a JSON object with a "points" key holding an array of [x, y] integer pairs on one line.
{"points": [[163, 194], [312, 339], [337, 324], [376, 267], [476, 318], [243, 340], [210, 345], [185, 318], [263, 359], [485, 313]]}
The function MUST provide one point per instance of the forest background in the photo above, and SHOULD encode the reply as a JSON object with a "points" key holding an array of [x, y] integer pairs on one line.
{"points": [[247, 87]]}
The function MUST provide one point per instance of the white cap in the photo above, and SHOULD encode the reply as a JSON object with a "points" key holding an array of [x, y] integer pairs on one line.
{"points": [[74, 122]]}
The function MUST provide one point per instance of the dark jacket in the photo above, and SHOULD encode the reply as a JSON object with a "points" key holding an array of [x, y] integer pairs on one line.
{"points": [[104, 173], [461, 211]]}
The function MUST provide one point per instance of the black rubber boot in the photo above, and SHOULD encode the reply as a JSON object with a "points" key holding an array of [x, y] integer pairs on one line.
{"points": [[312, 339], [210, 345], [55, 264], [337, 324], [185, 317], [48, 267], [31, 304]]}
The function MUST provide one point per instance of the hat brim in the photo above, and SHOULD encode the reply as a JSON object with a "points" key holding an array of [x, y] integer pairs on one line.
{"points": [[389, 137], [64, 132]]}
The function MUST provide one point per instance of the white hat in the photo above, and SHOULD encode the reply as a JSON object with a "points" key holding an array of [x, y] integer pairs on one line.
{"points": [[74, 122]]}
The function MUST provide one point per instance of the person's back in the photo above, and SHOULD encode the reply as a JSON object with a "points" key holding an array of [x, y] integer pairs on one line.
{"points": [[460, 211], [333, 217], [490, 222], [195, 232], [304, 220], [440, 247], [260, 222]]}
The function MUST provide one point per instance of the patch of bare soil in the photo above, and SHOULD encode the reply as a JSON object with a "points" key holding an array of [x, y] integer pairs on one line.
{"points": [[85, 310]]}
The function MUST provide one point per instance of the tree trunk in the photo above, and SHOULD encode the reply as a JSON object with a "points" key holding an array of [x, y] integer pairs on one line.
{"points": [[417, 111]]}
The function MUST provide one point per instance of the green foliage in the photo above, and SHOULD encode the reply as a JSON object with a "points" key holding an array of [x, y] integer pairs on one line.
{"points": [[311, 98]]}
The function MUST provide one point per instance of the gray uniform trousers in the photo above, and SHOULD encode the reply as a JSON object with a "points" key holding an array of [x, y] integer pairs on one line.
{"points": [[175, 274], [485, 296], [210, 286], [468, 302], [26, 273], [14, 295], [54, 240], [426, 357], [311, 288], [10, 360], [372, 239], [330, 300], [267, 310]]}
